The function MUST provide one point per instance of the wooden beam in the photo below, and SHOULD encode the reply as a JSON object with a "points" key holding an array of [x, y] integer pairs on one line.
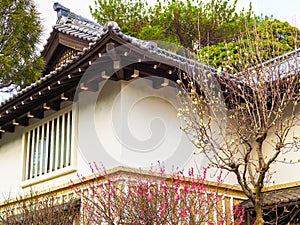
{"points": [[72, 42], [120, 74], [23, 121], [9, 128], [54, 105], [156, 82], [38, 113], [50, 48]]}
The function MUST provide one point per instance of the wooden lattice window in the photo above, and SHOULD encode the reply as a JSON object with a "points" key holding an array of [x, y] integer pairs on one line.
{"points": [[67, 55], [48, 146]]}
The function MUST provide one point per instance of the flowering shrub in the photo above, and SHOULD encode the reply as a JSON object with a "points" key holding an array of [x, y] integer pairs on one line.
{"points": [[153, 198], [39, 210]]}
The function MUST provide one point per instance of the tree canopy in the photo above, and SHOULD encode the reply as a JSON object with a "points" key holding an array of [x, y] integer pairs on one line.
{"points": [[215, 27], [189, 23], [20, 30], [275, 38]]}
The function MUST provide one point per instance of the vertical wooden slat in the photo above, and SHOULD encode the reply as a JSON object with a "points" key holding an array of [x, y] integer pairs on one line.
{"points": [[32, 154], [68, 147], [28, 154], [62, 142], [215, 208], [61, 199], [47, 136], [82, 211], [224, 210], [41, 158], [57, 150], [231, 208], [72, 141], [89, 196], [206, 208], [197, 205], [37, 150], [52, 148]]}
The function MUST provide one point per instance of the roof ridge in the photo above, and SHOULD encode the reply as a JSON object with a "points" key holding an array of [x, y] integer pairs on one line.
{"points": [[64, 15]]}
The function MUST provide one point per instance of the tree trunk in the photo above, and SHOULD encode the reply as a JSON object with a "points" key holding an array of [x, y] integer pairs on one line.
{"points": [[258, 210]]}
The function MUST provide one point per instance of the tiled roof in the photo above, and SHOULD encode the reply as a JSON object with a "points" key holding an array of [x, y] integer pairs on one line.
{"points": [[277, 197], [80, 27], [85, 29], [81, 30], [77, 26], [74, 25]]}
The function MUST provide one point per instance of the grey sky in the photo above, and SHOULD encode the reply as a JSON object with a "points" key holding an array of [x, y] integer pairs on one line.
{"points": [[49, 16]]}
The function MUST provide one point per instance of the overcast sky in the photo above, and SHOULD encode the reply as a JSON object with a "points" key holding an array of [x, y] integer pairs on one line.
{"points": [[285, 10], [49, 17]]}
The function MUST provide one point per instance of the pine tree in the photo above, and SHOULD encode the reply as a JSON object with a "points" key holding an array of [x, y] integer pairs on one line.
{"points": [[184, 22], [20, 31]]}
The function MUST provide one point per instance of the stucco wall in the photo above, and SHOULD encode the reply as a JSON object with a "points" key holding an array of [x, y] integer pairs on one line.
{"points": [[286, 169], [132, 124], [10, 163], [125, 123]]}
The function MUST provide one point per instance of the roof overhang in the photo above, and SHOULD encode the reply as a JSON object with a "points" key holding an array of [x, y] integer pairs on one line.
{"points": [[62, 83], [59, 42]]}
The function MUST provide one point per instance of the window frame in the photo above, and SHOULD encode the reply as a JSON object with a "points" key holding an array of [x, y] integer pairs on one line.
{"points": [[73, 149]]}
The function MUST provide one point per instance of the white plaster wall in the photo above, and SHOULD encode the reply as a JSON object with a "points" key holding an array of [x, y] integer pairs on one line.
{"points": [[132, 124], [10, 163], [287, 167], [124, 124]]}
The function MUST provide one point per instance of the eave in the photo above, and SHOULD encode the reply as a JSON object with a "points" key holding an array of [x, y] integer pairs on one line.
{"points": [[58, 43], [62, 83]]}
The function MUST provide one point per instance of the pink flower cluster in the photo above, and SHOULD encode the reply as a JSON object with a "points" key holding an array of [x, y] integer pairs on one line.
{"points": [[153, 197]]}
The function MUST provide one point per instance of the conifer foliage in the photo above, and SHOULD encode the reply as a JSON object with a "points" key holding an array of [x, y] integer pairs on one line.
{"points": [[189, 23], [20, 30]]}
